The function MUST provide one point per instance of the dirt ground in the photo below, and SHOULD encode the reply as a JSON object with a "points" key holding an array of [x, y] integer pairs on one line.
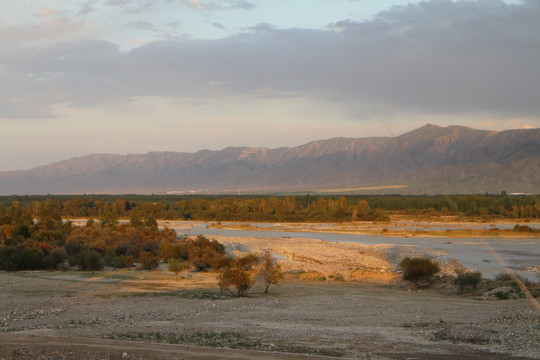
{"points": [[153, 315]]}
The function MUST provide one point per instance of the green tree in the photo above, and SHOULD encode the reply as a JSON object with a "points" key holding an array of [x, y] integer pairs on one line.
{"points": [[92, 260], [59, 256]]}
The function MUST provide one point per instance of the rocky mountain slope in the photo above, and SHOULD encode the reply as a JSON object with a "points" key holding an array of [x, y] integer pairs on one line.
{"points": [[430, 159]]}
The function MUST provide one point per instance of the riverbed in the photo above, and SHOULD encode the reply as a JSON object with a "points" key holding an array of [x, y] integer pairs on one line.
{"points": [[491, 256]]}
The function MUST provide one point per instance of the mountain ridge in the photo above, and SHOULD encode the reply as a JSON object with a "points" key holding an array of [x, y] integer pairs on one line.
{"points": [[430, 159]]}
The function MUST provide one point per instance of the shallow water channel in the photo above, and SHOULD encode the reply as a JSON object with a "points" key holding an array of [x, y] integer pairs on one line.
{"points": [[490, 256]]}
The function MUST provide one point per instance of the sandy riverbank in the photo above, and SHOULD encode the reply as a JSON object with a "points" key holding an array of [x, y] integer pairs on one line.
{"points": [[323, 259], [400, 226]]}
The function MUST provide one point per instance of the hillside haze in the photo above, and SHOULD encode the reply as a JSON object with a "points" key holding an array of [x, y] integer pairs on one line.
{"points": [[428, 160]]}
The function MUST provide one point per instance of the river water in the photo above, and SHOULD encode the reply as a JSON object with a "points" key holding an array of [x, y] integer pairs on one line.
{"points": [[490, 256]]}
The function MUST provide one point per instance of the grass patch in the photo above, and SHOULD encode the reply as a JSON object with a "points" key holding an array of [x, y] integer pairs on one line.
{"points": [[123, 276]]}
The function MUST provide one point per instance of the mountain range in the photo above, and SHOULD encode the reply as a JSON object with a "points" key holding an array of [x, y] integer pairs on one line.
{"points": [[428, 160]]}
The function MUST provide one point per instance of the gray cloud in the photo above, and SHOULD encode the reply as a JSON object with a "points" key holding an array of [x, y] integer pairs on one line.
{"points": [[434, 57], [174, 24], [263, 27], [86, 8], [142, 6]]}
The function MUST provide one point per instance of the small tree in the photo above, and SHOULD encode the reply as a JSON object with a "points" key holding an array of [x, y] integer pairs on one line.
{"points": [[240, 279], [416, 269], [271, 271], [239, 275]]}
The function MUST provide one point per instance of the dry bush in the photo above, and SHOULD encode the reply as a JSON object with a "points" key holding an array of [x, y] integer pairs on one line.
{"points": [[420, 268]]}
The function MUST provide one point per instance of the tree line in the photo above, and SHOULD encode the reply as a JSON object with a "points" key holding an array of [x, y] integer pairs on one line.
{"points": [[278, 208]]}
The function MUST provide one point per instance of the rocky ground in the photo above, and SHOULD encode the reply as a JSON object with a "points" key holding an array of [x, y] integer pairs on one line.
{"points": [[153, 315], [327, 260]]}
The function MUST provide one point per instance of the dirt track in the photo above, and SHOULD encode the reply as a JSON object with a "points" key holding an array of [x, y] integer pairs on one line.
{"points": [[41, 347]]}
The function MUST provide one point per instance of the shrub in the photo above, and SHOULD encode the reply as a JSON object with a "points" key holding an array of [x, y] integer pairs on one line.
{"points": [[220, 261], [522, 228], [59, 256], [112, 260], [272, 273], [502, 295], [20, 258], [503, 277], [468, 279], [148, 260], [239, 275], [203, 252], [247, 262], [48, 262], [176, 265], [416, 269]]}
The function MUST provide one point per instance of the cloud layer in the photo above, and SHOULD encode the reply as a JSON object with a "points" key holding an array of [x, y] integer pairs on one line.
{"points": [[439, 57]]}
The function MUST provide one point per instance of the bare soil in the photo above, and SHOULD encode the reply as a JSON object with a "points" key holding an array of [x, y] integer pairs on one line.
{"points": [[153, 315]]}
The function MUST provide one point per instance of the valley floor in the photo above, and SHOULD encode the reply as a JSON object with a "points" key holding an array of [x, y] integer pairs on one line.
{"points": [[153, 315]]}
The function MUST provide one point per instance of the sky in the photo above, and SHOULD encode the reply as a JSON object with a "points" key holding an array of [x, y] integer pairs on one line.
{"points": [[134, 76]]}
